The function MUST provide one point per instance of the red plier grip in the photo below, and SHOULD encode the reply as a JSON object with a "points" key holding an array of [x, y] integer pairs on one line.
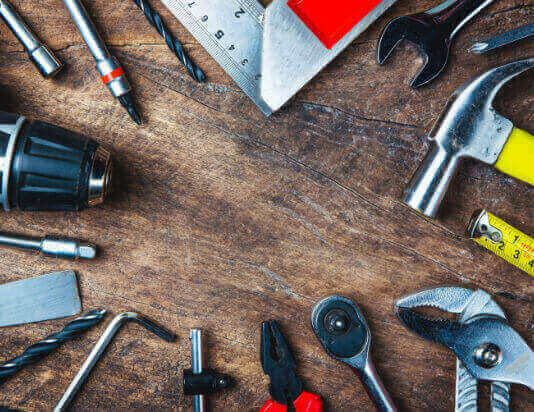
{"points": [[306, 402]]}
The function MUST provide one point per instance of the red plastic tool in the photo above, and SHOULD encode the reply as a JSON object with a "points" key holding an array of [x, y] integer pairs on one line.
{"points": [[331, 20]]}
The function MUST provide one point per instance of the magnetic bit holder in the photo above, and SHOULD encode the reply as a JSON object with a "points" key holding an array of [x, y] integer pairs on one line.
{"points": [[199, 381], [62, 248], [101, 346], [40, 55]]}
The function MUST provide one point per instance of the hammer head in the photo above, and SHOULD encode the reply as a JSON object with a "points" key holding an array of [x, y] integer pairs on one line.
{"points": [[422, 30], [467, 127]]}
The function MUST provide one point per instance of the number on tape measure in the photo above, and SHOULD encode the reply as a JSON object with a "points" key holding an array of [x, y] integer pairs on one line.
{"points": [[504, 240]]}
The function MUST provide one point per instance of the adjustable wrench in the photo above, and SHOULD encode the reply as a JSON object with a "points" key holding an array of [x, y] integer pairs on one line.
{"points": [[345, 336]]}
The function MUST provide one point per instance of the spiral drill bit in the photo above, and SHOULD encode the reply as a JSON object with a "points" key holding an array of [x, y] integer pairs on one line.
{"points": [[50, 343], [172, 42]]}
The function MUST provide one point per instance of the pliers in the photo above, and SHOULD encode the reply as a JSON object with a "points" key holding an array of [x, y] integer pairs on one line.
{"points": [[286, 390], [487, 348]]}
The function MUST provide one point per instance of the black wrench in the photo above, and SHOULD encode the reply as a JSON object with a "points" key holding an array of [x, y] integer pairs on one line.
{"points": [[432, 31], [345, 336]]}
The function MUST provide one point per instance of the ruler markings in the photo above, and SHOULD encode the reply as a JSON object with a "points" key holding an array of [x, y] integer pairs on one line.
{"points": [[231, 31], [515, 247]]}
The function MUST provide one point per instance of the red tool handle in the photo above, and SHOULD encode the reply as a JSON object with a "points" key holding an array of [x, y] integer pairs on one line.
{"points": [[306, 402], [331, 20]]}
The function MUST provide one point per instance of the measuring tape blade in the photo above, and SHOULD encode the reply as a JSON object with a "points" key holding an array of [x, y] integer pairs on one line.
{"points": [[502, 239], [231, 31]]}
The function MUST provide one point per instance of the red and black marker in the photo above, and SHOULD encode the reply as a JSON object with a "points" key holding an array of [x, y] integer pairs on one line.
{"points": [[285, 388]]}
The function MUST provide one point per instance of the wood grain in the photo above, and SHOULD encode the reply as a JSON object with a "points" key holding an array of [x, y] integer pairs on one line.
{"points": [[222, 218]]}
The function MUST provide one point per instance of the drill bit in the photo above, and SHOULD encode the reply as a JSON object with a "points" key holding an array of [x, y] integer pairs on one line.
{"points": [[50, 343], [111, 72], [172, 42]]}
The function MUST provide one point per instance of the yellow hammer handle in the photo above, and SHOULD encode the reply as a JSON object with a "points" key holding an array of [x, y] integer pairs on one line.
{"points": [[517, 156]]}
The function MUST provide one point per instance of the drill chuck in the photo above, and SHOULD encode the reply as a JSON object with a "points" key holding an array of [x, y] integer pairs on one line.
{"points": [[45, 167]]}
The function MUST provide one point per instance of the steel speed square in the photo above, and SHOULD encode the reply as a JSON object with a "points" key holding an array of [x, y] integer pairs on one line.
{"points": [[271, 53]]}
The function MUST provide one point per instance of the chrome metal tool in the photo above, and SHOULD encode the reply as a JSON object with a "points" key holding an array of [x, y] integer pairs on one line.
{"points": [[271, 53], [45, 297], [196, 366], [487, 348], [503, 39], [199, 381], [51, 246], [432, 31], [101, 346], [111, 72], [40, 55], [345, 336], [469, 127]]}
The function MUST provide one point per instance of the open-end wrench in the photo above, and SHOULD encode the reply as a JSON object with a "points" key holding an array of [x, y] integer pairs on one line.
{"points": [[345, 336], [432, 31]]}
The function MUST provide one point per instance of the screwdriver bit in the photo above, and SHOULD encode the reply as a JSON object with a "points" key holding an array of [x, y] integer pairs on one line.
{"points": [[111, 72], [52, 246], [37, 351], [172, 42]]}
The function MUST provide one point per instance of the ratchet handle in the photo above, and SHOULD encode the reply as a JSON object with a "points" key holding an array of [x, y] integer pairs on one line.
{"points": [[375, 388]]}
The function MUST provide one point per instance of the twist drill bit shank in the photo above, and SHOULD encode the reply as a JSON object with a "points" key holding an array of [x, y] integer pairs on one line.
{"points": [[110, 70], [50, 343], [172, 42]]}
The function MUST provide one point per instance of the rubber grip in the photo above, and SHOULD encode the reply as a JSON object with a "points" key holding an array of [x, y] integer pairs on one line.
{"points": [[517, 156]]}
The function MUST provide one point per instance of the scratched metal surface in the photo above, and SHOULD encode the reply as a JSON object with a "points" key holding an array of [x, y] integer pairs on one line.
{"points": [[223, 218]]}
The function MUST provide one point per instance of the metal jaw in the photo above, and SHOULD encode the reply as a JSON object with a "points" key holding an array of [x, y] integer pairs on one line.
{"points": [[484, 343], [277, 361], [468, 127]]}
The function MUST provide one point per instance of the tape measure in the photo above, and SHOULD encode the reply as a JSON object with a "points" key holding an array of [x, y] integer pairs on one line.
{"points": [[502, 239]]}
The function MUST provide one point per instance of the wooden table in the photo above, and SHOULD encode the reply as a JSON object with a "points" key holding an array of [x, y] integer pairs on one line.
{"points": [[222, 218]]}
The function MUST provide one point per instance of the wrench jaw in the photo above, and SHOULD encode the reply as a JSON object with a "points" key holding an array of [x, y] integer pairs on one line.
{"points": [[422, 31]]}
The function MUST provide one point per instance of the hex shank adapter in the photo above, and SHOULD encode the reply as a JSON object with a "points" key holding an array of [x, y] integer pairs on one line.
{"points": [[51, 246], [40, 55], [101, 346], [111, 72], [469, 127]]}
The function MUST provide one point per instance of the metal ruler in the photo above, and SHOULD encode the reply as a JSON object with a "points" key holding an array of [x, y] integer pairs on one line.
{"points": [[231, 31], [271, 53], [502, 239]]}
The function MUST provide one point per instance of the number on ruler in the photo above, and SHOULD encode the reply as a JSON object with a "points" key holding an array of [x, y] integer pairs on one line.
{"points": [[239, 13]]}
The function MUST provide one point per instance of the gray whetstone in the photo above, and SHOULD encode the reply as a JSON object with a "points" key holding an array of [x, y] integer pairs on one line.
{"points": [[50, 296]]}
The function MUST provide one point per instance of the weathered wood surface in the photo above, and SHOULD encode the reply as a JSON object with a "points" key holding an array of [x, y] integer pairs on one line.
{"points": [[223, 218]]}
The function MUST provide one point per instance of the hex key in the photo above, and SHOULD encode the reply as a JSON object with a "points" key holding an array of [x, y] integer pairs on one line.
{"points": [[101, 345]]}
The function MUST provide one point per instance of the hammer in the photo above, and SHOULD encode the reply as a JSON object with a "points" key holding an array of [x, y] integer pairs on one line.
{"points": [[469, 127]]}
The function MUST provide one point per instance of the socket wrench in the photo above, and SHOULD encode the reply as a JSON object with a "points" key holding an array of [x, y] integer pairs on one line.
{"points": [[345, 336]]}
